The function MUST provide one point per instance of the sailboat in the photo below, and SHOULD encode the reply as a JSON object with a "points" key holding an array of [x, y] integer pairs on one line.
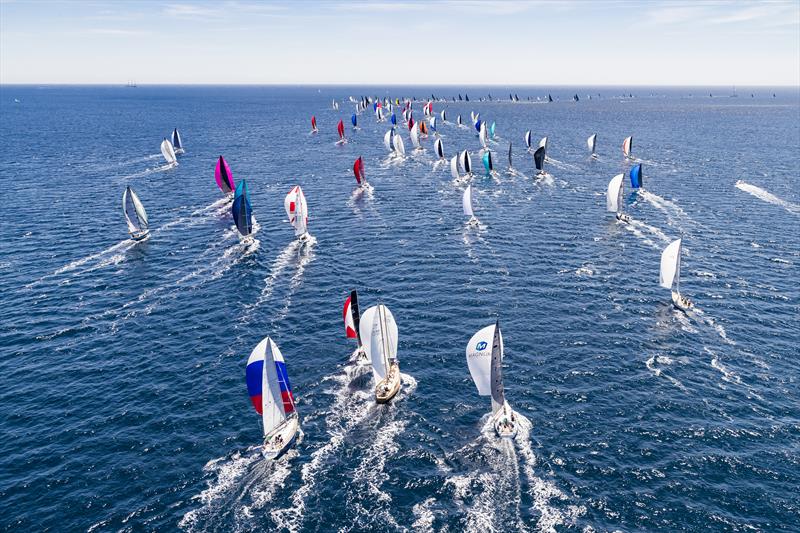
{"points": [[613, 198], [488, 163], [242, 210], [466, 201], [399, 147], [636, 176], [352, 319], [135, 215], [223, 176], [297, 211], [379, 334], [354, 120], [671, 273], [592, 142], [510, 162], [387, 140], [543, 143], [465, 159], [458, 120], [439, 148], [528, 139], [358, 171], [314, 124], [485, 362], [414, 134], [627, 144], [491, 130], [168, 152], [483, 136], [454, 168], [340, 129], [443, 115], [538, 160], [335, 105], [176, 142], [271, 393]]}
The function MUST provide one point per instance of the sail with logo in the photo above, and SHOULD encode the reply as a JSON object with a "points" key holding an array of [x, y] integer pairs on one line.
{"points": [[297, 211], [378, 331], [271, 394], [485, 362]]}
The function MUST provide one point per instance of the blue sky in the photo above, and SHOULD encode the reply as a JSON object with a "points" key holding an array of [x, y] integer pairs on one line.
{"points": [[394, 42]]}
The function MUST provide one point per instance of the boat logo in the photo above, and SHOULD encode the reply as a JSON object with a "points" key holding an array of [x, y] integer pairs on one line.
{"points": [[481, 346]]}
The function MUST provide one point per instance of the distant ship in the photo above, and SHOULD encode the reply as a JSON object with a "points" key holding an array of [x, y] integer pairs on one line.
{"points": [[131, 83]]}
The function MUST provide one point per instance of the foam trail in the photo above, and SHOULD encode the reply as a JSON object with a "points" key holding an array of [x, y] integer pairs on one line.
{"points": [[278, 266], [651, 229], [306, 257], [761, 194]]}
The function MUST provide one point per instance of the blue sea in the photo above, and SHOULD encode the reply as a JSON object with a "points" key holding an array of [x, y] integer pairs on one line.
{"points": [[123, 399]]}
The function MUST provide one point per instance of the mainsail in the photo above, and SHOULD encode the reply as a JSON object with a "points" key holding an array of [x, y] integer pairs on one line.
{"points": [[414, 133], [379, 334], [528, 139], [592, 142], [176, 141], [466, 200], [241, 209], [510, 165], [134, 211], [168, 152], [297, 210], [399, 147], [613, 194], [454, 167], [437, 146], [671, 266], [268, 384], [223, 176]]}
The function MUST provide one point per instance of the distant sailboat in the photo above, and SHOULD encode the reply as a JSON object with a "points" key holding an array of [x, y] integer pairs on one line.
{"points": [[135, 215], [465, 159], [466, 201], [352, 319], [223, 176], [387, 140], [538, 160], [297, 211], [613, 198], [485, 362], [543, 143], [379, 335], [458, 119], [340, 130], [528, 139], [483, 135], [636, 176], [443, 114], [399, 146], [671, 273], [314, 124], [271, 393], [492, 129], [168, 152], [454, 168], [242, 210], [176, 142], [354, 120], [358, 171], [592, 142], [488, 162], [414, 134], [627, 144]]}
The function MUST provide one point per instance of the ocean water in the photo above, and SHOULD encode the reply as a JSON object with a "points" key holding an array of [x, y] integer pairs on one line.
{"points": [[123, 402]]}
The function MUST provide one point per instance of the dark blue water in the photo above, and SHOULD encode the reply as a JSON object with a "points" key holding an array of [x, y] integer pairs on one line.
{"points": [[123, 402]]}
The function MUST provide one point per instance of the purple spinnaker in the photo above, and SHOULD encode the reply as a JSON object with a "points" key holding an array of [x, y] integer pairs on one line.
{"points": [[223, 176]]}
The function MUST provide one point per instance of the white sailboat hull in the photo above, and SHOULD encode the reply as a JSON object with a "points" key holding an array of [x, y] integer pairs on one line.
{"points": [[505, 423], [140, 235], [684, 304], [278, 441]]}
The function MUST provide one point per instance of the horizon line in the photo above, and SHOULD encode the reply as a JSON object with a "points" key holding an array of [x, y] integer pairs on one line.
{"points": [[354, 84]]}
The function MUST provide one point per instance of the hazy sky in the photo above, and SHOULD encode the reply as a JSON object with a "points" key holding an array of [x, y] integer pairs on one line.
{"points": [[408, 42]]}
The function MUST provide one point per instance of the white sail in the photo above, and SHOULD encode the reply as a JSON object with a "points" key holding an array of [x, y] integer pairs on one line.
{"points": [[397, 141], [613, 193], [135, 215], [387, 140], [670, 265], [467, 162], [591, 141], [626, 145], [454, 167], [272, 413], [528, 138], [438, 147], [466, 200], [482, 135], [458, 120], [414, 133], [443, 115], [379, 335], [543, 143], [484, 359], [297, 210], [168, 151]]}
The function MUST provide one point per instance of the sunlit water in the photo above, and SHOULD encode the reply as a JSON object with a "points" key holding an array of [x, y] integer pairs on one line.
{"points": [[123, 403]]}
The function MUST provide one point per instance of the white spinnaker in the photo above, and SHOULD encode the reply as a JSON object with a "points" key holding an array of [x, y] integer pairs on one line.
{"points": [[670, 265], [397, 141], [483, 135], [454, 167], [528, 138], [592, 141], [168, 151], [612, 195], [379, 336], [414, 133], [387, 141], [272, 413], [466, 200], [484, 359], [297, 210]]}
